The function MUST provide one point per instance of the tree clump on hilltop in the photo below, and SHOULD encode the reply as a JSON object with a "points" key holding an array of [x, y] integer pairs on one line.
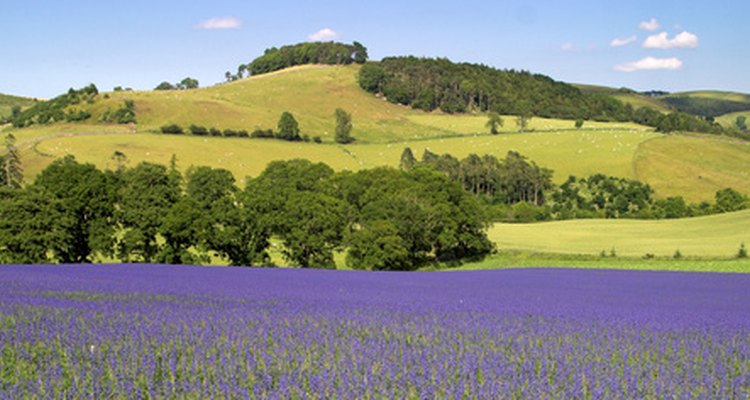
{"points": [[330, 53]]}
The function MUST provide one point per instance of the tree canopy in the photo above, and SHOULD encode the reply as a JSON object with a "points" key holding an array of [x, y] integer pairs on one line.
{"points": [[332, 53]]}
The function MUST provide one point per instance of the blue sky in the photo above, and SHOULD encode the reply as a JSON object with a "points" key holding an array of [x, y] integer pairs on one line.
{"points": [[50, 46]]}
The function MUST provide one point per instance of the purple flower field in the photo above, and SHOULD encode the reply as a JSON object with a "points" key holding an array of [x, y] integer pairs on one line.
{"points": [[143, 331]]}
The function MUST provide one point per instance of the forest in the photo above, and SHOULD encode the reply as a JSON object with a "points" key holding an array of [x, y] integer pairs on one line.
{"points": [[431, 84]]}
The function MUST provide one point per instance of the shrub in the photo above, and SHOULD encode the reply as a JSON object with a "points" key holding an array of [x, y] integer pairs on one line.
{"points": [[198, 130], [214, 132], [742, 252], [262, 133], [173, 129]]}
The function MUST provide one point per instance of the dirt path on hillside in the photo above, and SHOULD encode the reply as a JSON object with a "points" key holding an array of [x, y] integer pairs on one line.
{"points": [[33, 143]]}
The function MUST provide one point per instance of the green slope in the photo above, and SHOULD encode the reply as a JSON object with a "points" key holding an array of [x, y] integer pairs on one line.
{"points": [[694, 167], [708, 103], [713, 236], [579, 153], [7, 103], [312, 93], [635, 99]]}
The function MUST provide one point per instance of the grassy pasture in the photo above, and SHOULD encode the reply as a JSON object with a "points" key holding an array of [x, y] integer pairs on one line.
{"points": [[579, 153], [717, 236], [694, 167], [728, 120], [311, 93]]}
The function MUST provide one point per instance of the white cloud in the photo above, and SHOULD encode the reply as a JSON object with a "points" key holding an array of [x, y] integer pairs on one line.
{"points": [[323, 35], [662, 41], [651, 25], [568, 46], [651, 63], [220, 23], [617, 42]]}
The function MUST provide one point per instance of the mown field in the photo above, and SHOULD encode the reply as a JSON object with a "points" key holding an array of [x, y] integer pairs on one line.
{"points": [[717, 236], [579, 153], [694, 167]]}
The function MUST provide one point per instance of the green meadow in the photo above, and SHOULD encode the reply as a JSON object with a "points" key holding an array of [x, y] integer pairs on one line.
{"points": [[579, 153], [695, 166], [716, 236]]}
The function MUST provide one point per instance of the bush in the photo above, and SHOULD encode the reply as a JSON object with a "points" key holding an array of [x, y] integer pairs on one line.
{"points": [[262, 133], [172, 129], [198, 130], [214, 132], [677, 255], [317, 139], [742, 252]]}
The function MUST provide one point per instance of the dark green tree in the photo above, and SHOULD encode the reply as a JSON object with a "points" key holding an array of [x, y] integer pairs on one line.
{"points": [[343, 127], [32, 225], [84, 195], [145, 199], [579, 123], [311, 229], [741, 123], [188, 83], [494, 121], [11, 163], [165, 86], [408, 161], [288, 127], [523, 118], [360, 53], [377, 246], [729, 200]]}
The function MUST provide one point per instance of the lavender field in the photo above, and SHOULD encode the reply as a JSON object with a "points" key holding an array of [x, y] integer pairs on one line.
{"points": [[196, 332]]}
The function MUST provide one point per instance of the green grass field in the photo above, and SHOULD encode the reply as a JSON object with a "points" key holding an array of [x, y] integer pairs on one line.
{"points": [[716, 236], [525, 259], [729, 120], [579, 153], [694, 167]]}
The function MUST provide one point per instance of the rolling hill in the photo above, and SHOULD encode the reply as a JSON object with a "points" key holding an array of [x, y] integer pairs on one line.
{"points": [[627, 96], [708, 103], [671, 164]]}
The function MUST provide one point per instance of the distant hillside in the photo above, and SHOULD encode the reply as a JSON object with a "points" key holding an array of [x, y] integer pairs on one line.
{"points": [[628, 96], [708, 103], [7, 103]]}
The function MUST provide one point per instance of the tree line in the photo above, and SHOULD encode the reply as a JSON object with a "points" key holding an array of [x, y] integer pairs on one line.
{"points": [[287, 129], [274, 59], [516, 189], [430, 84], [384, 218]]}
